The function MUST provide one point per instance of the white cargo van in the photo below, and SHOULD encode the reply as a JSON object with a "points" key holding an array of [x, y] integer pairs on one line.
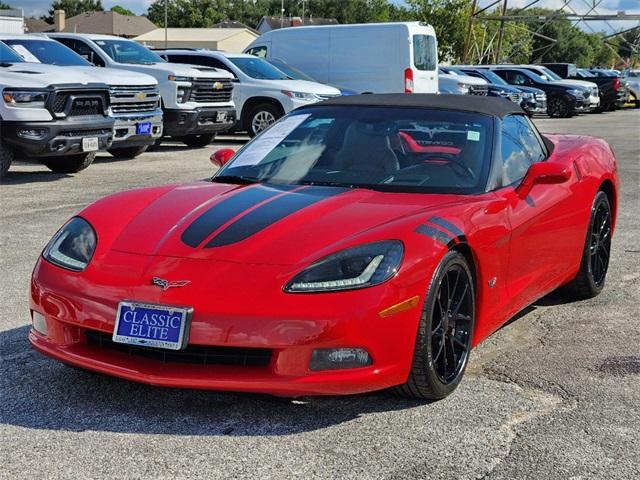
{"points": [[370, 57]]}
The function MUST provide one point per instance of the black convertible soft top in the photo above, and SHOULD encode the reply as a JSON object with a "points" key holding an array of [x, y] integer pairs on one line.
{"points": [[497, 107]]}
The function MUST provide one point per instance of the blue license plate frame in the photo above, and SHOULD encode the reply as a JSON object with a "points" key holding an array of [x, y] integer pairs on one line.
{"points": [[143, 128]]}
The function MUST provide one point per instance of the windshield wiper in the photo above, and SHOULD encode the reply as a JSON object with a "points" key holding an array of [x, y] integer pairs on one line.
{"points": [[238, 179], [6, 64]]}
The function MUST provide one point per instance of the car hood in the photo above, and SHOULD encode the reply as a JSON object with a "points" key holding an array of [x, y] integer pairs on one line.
{"points": [[256, 224], [42, 75], [163, 69], [301, 86], [575, 83], [112, 76]]}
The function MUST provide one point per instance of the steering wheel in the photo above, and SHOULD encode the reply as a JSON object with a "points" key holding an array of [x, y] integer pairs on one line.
{"points": [[453, 161]]}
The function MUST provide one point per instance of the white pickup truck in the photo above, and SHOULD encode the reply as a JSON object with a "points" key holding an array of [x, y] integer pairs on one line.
{"points": [[47, 114], [134, 97], [196, 103]]}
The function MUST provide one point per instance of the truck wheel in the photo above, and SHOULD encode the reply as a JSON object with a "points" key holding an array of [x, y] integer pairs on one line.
{"points": [[127, 152], [559, 108], [261, 117], [71, 164], [198, 141], [6, 158]]}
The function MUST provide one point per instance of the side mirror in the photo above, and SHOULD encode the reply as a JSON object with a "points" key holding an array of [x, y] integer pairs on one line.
{"points": [[221, 157], [543, 173]]}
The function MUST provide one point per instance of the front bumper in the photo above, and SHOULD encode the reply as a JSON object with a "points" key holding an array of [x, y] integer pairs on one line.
{"points": [[125, 134], [58, 137], [199, 121], [291, 326], [534, 106]]}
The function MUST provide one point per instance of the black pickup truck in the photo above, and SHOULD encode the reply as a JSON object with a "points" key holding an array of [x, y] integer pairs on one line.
{"points": [[613, 93]]}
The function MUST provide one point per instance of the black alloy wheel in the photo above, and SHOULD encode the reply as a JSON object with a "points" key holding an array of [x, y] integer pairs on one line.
{"points": [[558, 108], [445, 333], [594, 265]]}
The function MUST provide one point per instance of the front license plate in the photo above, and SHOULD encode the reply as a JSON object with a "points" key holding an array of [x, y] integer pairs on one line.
{"points": [[90, 144], [221, 117], [143, 128], [151, 325]]}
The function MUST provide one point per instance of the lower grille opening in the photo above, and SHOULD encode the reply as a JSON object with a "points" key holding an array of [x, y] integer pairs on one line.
{"points": [[193, 354]]}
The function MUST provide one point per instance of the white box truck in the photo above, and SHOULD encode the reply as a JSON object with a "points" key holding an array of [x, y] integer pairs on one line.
{"points": [[368, 58]]}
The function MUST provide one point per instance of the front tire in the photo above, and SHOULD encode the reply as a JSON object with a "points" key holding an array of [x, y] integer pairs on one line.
{"points": [[127, 153], [559, 108], [6, 159], [591, 277], [198, 141], [70, 164], [261, 117], [445, 332]]}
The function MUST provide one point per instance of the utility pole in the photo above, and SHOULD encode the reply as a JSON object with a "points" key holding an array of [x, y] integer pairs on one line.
{"points": [[282, 14], [496, 58]]}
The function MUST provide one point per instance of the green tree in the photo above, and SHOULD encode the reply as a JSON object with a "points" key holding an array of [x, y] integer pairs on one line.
{"points": [[4, 6], [122, 11], [73, 8]]}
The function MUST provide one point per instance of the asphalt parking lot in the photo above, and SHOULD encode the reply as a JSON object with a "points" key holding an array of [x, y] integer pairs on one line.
{"points": [[554, 394]]}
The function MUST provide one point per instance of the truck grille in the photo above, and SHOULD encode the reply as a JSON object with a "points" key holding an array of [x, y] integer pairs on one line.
{"points": [[134, 99], [515, 97], [211, 90], [79, 103], [193, 354], [478, 89]]}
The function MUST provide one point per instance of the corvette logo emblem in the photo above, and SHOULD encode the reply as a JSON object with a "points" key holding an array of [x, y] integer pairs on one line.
{"points": [[166, 284], [218, 86]]}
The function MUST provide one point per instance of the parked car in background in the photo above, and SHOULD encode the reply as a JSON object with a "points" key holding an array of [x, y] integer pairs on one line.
{"points": [[196, 103], [611, 89], [563, 101], [262, 93], [632, 78], [57, 116], [296, 74], [134, 97], [533, 100], [455, 83], [593, 101], [367, 58]]}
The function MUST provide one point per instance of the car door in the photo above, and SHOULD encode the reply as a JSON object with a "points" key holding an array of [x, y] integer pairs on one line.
{"points": [[542, 222]]}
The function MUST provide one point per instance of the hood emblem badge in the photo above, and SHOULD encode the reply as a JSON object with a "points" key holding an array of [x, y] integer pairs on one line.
{"points": [[166, 284]]}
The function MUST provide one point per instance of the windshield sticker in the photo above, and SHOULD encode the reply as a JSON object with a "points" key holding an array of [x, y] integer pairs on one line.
{"points": [[473, 136], [25, 54], [259, 148]]}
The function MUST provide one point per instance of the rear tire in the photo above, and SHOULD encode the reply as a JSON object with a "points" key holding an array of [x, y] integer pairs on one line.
{"points": [[198, 141], [6, 159], [70, 164], [591, 277], [445, 332], [559, 108], [127, 152]]}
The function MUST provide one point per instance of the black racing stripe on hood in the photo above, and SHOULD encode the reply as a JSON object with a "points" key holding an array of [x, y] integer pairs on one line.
{"points": [[224, 211], [269, 213], [446, 224]]}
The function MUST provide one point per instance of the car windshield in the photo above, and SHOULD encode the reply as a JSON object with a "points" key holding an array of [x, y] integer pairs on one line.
{"points": [[291, 72], [533, 76], [550, 74], [392, 149], [9, 56], [128, 51], [46, 51], [258, 68], [491, 77]]}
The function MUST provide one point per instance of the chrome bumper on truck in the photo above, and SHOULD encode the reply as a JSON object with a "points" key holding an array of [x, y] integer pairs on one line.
{"points": [[137, 114]]}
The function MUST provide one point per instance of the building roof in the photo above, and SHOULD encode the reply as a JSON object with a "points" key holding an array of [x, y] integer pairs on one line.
{"points": [[36, 25], [233, 24], [494, 106], [194, 34], [108, 23], [275, 22]]}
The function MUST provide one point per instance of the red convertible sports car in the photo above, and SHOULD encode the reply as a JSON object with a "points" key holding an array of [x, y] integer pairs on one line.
{"points": [[360, 243]]}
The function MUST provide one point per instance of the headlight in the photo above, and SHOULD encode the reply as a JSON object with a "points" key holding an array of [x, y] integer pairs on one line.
{"points": [[463, 88], [527, 95], [73, 246], [356, 267], [174, 78], [307, 97], [577, 92], [25, 98]]}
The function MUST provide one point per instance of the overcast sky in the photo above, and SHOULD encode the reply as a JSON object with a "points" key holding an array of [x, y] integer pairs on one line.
{"points": [[40, 7]]}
